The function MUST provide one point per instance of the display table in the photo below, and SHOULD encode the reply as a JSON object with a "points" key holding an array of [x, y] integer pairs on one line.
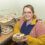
{"points": [[5, 38]]}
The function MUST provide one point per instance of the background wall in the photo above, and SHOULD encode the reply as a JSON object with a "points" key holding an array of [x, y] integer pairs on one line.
{"points": [[8, 7]]}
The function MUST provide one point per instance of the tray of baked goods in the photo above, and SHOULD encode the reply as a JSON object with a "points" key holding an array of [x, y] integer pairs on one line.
{"points": [[5, 19], [6, 29]]}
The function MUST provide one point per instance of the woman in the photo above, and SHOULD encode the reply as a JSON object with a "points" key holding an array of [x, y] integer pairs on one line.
{"points": [[33, 29]]}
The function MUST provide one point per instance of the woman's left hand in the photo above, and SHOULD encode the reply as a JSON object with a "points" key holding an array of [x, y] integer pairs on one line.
{"points": [[23, 39]]}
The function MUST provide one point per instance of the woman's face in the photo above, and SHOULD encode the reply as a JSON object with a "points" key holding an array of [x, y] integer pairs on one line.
{"points": [[28, 14]]}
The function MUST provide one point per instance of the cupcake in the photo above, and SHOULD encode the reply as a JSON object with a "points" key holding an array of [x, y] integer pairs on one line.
{"points": [[17, 37]]}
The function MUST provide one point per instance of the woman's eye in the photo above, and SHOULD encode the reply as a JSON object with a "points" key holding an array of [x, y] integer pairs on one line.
{"points": [[29, 12], [24, 12]]}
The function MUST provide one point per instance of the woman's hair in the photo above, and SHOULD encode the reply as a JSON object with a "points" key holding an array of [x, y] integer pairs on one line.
{"points": [[31, 7]]}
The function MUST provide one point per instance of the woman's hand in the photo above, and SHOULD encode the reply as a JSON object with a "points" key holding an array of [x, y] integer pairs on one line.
{"points": [[19, 38], [24, 39]]}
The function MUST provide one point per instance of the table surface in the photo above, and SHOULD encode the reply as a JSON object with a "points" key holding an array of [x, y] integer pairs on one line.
{"points": [[4, 37]]}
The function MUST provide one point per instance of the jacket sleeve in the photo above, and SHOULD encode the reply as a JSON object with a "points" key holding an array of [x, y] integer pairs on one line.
{"points": [[17, 27], [34, 39]]}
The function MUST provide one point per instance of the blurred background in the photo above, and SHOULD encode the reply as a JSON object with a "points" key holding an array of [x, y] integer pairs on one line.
{"points": [[8, 7]]}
